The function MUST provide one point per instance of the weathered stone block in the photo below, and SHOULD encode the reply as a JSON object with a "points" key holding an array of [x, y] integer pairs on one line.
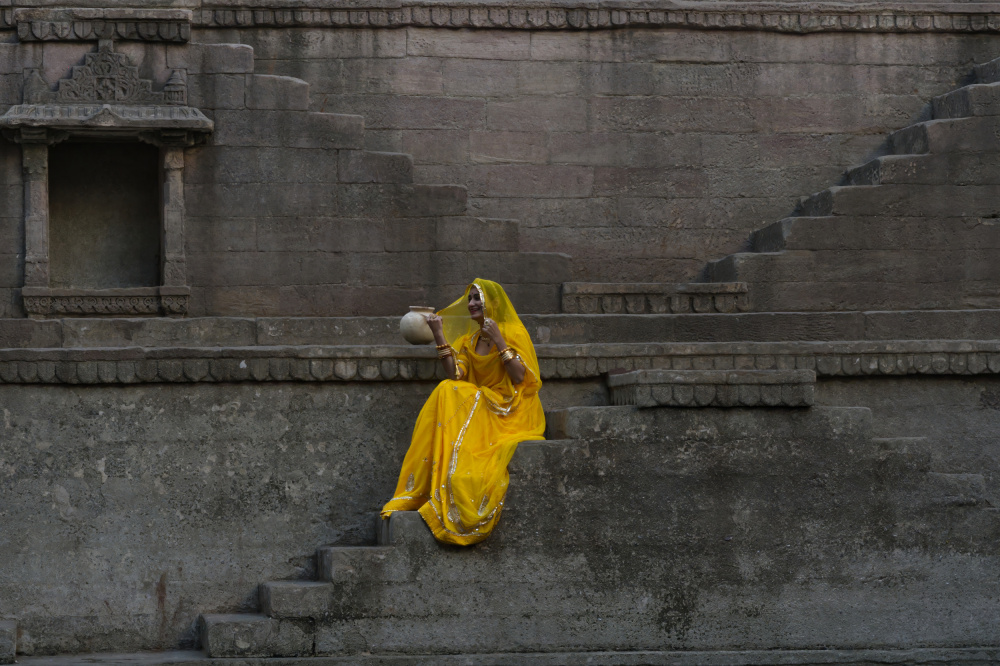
{"points": [[212, 58], [479, 78], [433, 200], [253, 636], [297, 599], [974, 100], [264, 91], [362, 166], [217, 91], [291, 129], [538, 114], [8, 641], [489, 45], [518, 147]]}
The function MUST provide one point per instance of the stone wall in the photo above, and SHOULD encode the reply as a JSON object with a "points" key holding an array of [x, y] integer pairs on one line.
{"points": [[642, 153], [129, 510]]}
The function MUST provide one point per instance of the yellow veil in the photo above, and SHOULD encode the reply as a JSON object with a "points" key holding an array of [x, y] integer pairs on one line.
{"points": [[459, 327]]}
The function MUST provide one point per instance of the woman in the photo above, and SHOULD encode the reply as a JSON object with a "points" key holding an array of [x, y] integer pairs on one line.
{"points": [[455, 472]]}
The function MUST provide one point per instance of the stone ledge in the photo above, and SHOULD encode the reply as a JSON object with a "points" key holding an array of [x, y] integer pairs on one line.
{"points": [[136, 365], [774, 17], [8, 641], [974, 656], [525, 14], [714, 388], [654, 298]]}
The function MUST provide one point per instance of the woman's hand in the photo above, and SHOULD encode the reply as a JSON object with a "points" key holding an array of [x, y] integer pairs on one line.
{"points": [[436, 323], [492, 330]]}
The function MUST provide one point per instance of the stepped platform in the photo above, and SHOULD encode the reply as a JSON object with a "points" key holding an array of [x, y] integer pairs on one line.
{"points": [[937, 656], [759, 508], [550, 329]]}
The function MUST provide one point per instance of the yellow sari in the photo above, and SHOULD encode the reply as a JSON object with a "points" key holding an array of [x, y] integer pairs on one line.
{"points": [[455, 472]]}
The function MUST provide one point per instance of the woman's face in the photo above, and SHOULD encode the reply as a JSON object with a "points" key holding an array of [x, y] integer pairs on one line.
{"points": [[476, 310]]}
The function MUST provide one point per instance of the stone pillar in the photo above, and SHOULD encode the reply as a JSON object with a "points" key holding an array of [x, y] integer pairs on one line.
{"points": [[174, 267], [35, 163]]}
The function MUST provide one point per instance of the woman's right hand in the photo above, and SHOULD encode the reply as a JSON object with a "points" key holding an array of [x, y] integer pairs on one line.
{"points": [[436, 324]]}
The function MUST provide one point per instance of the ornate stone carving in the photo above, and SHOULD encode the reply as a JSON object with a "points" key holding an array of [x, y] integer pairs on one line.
{"points": [[105, 95], [149, 25], [104, 77], [698, 15], [653, 298], [129, 302], [714, 388]]}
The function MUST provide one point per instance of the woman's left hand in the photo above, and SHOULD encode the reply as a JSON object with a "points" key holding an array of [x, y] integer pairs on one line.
{"points": [[492, 329]]}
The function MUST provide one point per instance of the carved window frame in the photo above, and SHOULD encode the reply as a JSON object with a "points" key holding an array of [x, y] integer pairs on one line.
{"points": [[104, 99]]}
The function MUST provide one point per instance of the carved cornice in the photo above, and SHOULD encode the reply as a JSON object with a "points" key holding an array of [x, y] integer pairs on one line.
{"points": [[714, 388], [148, 25], [34, 24], [42, 302], [398, 363], [773, 17], [654, 298], [105, 95]]}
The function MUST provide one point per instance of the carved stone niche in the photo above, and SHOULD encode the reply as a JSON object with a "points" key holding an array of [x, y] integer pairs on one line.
{"points": [[104, 100]]}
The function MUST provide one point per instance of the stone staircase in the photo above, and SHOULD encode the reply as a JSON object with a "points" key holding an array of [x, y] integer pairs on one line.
{"points": [[671, 507], [281, 195], [916, 228]]}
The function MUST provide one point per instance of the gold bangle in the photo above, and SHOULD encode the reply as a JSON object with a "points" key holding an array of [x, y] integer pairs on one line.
{"points": [[507, 354], [444, 346], [446, 352]]}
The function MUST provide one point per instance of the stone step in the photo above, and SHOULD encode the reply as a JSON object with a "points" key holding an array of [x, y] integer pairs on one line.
{"points": [[8, 641], [433, 200], [713, 388], [974, 656], [903, 200], [297, 599], [988, 72], [970, 135], [246, 635], [653, 298], [943, 169], [335, 564], [267, 91], [982, 99], [365, 166], [876, 233], [852, 279], [289, 129]]}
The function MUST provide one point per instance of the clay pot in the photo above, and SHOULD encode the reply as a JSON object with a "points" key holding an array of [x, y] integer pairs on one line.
{"points": [[414, 326]]}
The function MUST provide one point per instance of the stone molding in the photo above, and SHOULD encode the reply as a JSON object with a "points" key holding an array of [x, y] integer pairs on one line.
{"points": [[654, 298], [713, 388], [135, 365], [57, 24], [774, 17], [80, 24], [39, 301], [103, 96]]}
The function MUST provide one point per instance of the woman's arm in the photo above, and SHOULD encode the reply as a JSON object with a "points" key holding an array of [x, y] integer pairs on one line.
{"points": [[436, 325], [513, 366]]}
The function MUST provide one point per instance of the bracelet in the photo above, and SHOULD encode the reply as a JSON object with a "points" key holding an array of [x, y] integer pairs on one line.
{"points": [[507, 354], [445, 353]]}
